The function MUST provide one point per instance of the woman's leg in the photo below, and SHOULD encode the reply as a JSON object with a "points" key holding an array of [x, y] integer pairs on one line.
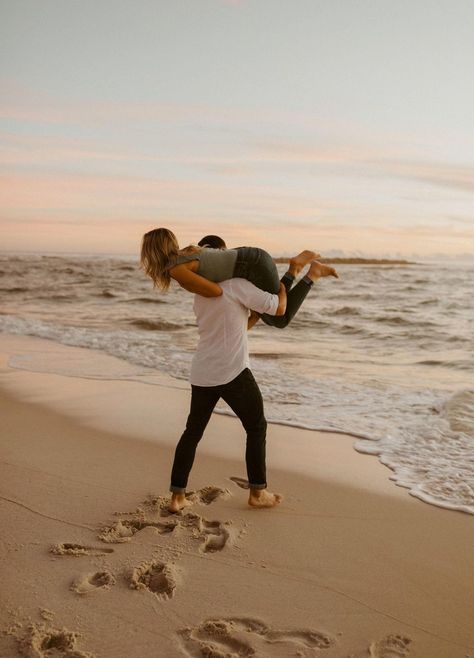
{"points": [[258, 267], [296, 296]]}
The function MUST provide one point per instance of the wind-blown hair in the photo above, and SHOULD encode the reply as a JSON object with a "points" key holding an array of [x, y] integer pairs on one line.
{"points": [[159, 250]]}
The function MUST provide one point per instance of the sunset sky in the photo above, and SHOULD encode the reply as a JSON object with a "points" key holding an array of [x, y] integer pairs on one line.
{"points": [[339, 125]]}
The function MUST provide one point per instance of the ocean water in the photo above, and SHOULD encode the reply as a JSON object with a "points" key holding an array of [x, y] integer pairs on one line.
{"points": [[384, 353]]}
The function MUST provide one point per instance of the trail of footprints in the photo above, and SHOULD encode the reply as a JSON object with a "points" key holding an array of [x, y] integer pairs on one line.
{"points": [[157, 577], [232, 637], [213, 535], [236, 637], [242, 636]]}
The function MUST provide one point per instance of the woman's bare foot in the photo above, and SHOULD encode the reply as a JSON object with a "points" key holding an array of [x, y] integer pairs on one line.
{"points": [[318, 270], [263, 498], [178, 502], [298, 262]]}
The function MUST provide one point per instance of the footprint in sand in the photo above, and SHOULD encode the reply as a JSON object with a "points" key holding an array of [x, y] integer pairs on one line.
{"points": [[240, 636], [392, 646], [156, 577], [78, 550], [214, 534], [208, 495], [93, 582], [43, 642], [124, 529], [204, 496]]}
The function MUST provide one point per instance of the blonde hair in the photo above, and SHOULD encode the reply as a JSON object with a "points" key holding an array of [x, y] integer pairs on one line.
{"points": [[158, 253]]}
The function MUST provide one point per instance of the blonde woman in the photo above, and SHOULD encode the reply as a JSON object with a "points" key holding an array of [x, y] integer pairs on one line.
{"points": [[200, 269]]}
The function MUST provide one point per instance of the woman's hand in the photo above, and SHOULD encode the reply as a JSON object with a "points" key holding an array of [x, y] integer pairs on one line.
{"points": [[195, 283]]}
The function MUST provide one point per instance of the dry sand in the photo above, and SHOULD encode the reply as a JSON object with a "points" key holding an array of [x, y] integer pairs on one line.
{"points": [[91, 564]]}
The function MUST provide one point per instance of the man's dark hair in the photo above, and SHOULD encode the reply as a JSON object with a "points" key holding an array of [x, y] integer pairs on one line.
{"points": [[213, 241]]}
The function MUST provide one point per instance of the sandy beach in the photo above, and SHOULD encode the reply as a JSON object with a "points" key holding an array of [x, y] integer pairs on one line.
{"points": [[349, 565]]}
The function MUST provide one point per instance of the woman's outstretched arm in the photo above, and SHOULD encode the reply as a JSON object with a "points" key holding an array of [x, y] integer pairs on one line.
{"points": [[195, 283]]}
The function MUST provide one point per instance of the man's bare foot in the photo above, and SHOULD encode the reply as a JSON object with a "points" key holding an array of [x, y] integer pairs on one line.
{"points": [[298, 262], [178, 502], [263, 498], [318, 270]]}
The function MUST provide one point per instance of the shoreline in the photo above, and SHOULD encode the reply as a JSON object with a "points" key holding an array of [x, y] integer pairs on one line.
{"points": [[341, 568], [45, 359]]}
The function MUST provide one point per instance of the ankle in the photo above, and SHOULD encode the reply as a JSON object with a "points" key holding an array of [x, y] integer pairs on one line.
{"points": [[293, 270]]}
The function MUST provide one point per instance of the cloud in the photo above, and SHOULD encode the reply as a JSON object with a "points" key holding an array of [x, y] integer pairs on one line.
{"points": [[135, 164], [35, 194], [438, 174], [368, 160]]}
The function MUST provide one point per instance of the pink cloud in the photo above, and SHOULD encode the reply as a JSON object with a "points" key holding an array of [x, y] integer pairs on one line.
{"points": [[439, 174], [126, 196]]}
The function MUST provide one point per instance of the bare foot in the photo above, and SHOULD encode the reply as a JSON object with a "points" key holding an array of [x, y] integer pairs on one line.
{"points": [[318, 270], [263, 498], [178, 502], [298, 262]]}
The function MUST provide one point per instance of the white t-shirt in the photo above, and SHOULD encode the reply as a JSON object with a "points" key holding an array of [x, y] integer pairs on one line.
{"points": [[222, 352]]}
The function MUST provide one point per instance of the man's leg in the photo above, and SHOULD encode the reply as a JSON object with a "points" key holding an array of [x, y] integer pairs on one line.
{"points": [[203, 401], [243, 396]]}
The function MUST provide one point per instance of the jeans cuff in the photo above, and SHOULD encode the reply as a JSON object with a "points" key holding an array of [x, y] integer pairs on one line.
{"points": [[307, 280], [257, 486], [174, 489]]}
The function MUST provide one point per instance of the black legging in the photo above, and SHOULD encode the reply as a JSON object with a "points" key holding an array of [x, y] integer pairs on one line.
{"points": [[257, 266]]}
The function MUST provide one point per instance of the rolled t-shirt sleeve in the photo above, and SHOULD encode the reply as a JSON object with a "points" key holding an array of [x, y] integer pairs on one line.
{"points": [[253, 298]]}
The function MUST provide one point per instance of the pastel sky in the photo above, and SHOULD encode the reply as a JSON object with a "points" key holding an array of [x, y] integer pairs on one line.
{"points": [[339, 125]]}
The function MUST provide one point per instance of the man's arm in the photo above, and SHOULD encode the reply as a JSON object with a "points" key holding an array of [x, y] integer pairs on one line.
{"points": [[258, 300], [254, 317]]}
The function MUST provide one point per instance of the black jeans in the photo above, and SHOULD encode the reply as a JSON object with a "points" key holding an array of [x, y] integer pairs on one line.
{"points": [[243, 396], [295, 296], [258, 267]]}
